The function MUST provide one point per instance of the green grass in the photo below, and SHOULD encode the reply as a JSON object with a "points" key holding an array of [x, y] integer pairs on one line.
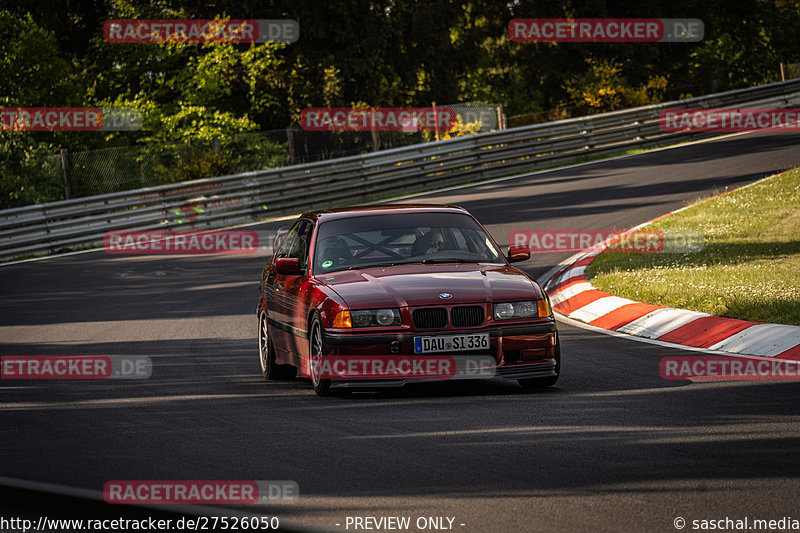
{"points": [[748, 269]]}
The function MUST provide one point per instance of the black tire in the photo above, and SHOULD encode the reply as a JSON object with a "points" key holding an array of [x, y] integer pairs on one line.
{"points": [[316, 351], [549, 381], [266, 354]]}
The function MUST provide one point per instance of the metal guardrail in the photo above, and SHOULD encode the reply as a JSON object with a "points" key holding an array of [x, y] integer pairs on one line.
{"points": [[251, 196]]}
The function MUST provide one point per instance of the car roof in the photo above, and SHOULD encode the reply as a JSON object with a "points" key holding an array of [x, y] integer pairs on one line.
{"points": [[387, 209]]}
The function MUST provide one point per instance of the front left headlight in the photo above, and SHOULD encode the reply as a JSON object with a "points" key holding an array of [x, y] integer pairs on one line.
{"points": [[526, 309]]}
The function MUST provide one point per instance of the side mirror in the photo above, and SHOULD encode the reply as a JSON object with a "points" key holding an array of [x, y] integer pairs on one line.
{"points": [[287, 265], [518, 252]]}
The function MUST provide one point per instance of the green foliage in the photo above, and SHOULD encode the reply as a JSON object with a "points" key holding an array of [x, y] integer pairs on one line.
{"points": [[255, 152], [193, 166], [172, 163], [29, 172], [193, 122], [604, 88], [459, 128], [380, 52], [34, 74]]}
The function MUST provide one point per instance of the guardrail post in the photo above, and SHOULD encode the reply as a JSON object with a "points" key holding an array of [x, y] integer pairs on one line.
{"points": [[65, 173], [501, 122], [290, 144], [376, 141], [435, 121]]}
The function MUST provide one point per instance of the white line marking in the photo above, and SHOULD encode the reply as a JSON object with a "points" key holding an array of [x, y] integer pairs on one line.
{"points": [[569, 292], [660, 321], [761, 339], [599, 308], [572, 273]]}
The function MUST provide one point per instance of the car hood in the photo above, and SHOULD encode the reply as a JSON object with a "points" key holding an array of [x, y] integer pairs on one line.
{"points": [[414, 285]]}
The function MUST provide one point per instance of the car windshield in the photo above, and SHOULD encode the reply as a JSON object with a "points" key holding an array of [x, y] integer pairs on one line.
{"points": [[402, 238]]}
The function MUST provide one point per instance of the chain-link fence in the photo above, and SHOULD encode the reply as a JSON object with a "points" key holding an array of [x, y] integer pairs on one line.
{"points": [[790, 71], [92, 172]]}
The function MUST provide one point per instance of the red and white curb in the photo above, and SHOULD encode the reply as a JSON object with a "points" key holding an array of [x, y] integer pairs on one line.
{"points": [[572, 296]]}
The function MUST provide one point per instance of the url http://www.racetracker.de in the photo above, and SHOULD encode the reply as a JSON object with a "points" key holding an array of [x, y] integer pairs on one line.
{"points": [[195, 523]]}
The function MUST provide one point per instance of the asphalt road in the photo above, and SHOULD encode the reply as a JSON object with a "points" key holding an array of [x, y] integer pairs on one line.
{"points": [[612, 447]]}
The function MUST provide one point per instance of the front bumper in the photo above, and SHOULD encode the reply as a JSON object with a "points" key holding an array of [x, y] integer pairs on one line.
{"points": [[541, 369], [519, 351], [355, 339]]}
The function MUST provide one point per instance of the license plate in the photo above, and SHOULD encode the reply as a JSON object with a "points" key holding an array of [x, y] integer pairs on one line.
{"points": [[451, 343]]}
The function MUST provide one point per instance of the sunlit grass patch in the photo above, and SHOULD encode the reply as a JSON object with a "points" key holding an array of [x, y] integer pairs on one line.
{"points": [[748, 269]]}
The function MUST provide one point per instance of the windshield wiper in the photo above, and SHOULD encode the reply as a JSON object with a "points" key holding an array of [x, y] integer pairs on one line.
{"points": [[428, 261], [432, 260], [372, 265]]}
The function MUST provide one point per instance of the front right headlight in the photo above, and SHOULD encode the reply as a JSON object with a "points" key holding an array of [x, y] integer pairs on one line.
{"points": [[525, 309]]}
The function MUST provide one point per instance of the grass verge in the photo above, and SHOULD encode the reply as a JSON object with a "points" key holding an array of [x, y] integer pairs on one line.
{"points": [[748, 269]]}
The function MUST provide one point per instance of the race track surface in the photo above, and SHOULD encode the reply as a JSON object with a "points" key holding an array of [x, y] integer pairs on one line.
{"points": [[612, 447]]}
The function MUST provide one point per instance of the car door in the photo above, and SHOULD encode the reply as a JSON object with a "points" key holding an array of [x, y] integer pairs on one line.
{"points": [[286, 294]]}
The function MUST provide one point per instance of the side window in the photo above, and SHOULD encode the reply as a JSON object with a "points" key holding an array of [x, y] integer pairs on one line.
{"points": [[303, 243], [289, 242], [295, 244]]}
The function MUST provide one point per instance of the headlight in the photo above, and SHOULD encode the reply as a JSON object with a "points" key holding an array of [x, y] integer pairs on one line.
{"points": [[528, 309], [365, 318], [386, 317], [361, 319], [503, 311]]}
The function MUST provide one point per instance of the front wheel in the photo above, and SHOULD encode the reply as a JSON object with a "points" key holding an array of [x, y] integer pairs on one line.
{"points": [[316, 351], [549, 381]]}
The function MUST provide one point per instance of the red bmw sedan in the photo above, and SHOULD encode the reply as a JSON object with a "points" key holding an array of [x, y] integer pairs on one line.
{"points": [[378, 296]]}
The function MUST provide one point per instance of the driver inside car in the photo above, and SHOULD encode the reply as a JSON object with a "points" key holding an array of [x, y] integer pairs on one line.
{"points": [[430, 243]]}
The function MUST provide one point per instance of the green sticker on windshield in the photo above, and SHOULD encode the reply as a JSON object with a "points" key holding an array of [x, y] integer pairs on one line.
{"points": [[327, 264]]}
